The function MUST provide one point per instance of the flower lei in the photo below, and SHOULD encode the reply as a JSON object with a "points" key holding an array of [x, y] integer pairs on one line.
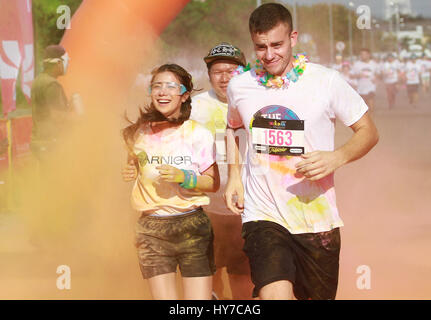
{"points": [[271, 81]]}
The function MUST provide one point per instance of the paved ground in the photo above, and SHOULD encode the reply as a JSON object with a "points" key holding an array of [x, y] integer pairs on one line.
{"points": [[383, 200]]}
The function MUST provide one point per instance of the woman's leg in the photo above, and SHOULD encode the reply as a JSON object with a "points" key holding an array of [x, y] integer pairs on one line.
{"points": [[163, 287], [197, 288]]}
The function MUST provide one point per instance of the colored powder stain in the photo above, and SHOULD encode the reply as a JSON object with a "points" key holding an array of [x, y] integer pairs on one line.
{"points": [[279, 167], [318, 205], [210, 125], [217, 121]]}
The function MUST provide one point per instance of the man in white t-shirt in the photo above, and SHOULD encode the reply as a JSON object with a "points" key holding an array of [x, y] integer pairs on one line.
{"points": [[425, 72], [365, 70], [287, 109], [210, 109], [390, 71], [412, 74]]}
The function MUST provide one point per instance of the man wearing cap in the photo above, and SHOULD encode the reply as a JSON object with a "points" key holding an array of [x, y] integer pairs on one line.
{"points": [[210, 109], [50, 106]]}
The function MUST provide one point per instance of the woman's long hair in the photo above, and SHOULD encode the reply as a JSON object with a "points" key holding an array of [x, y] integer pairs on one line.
{"points": [[151, 114]]}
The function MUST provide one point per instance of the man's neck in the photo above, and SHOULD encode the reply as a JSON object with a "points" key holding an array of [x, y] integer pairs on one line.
{"points": [[221, 99], [52, 73]]}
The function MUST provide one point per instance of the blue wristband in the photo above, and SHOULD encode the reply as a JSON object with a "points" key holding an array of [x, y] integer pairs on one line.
{"points": [[190, 179]]}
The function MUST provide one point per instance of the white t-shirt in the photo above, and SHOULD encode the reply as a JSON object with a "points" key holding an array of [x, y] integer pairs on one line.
{"points": [[367, 72], [390, 71], [425, 68], [273, 190], [208, 110], [412, 72]]}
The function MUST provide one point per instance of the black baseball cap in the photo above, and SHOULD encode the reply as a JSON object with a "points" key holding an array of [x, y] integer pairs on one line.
{"points": [[225, 51]]}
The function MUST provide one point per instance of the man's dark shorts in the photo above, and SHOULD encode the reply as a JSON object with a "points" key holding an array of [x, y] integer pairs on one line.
{"points": [[310, 261], [165, 242], [228, 244]]}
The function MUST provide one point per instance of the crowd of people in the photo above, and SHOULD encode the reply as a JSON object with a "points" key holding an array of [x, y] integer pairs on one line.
{"points": [[410, 73], [185, 160], [265, 211]]}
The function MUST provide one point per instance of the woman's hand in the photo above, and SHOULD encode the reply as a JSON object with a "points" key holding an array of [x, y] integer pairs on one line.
{"points": [[129, 172], [170, 174]]}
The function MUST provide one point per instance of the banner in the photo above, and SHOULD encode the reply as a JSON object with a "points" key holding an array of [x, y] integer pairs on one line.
{"points": [[16, 50]]}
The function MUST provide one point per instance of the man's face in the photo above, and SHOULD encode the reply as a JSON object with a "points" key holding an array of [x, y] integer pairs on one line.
{"points": [[274, 48], [220, 74], [365, 55]]}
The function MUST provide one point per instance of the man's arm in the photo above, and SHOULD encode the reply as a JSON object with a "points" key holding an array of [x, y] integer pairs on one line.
{"points": [[234, 187], [318, 164]]}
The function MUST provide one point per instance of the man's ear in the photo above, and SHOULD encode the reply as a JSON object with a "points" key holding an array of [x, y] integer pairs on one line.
{"points": [[293, 38]]}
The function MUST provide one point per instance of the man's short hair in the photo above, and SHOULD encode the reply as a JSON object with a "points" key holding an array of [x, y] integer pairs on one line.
{"points": [[267, 16], [365, 50]]}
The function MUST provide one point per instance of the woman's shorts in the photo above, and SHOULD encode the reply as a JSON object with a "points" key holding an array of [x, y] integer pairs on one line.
{"points": [[310, 261], [186, 240]]}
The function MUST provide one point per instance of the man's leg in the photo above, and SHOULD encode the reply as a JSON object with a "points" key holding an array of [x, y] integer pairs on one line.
{"points": [[267, 245], [278, 290]]}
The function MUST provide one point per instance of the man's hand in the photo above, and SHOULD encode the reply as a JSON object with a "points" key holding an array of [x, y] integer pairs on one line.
{"points": [[129, 172], [318, 164], [170, 174], [234, 196]]}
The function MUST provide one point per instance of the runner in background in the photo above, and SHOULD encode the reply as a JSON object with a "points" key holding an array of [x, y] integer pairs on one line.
{"points": [[346, 74], [390, 73], [210, 109], [365, 71], [51, 110], [338, 65], [425, 63], [412, 74]]}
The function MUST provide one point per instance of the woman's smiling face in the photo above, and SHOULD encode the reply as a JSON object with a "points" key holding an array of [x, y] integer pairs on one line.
{"points": [[166, 94]]}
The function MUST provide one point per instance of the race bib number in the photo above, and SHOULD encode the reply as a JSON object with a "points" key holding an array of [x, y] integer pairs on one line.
{"points": [[278, 137]]}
